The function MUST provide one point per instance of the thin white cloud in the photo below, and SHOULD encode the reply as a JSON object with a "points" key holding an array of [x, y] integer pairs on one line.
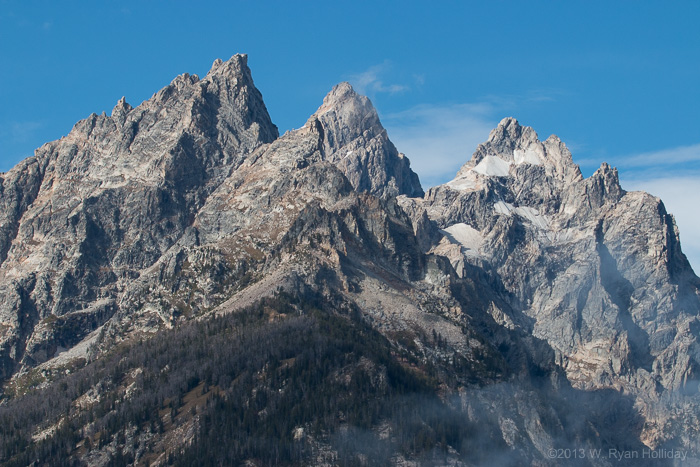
{"points": [[19, 140], [439, 139], [372, 81], [533, 96], [21, 132], [681, 197], [678, 155], [662, 159], [419, 79]]}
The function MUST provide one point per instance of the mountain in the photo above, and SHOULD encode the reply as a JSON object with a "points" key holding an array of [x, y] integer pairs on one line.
{"points": [[179, 284]]}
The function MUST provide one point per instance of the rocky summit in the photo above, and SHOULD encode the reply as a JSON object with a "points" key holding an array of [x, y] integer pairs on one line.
{"points": [[180, 285]]}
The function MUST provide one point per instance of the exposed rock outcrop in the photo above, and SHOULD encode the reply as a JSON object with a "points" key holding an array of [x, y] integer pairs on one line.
{"points": [[88, 212]]}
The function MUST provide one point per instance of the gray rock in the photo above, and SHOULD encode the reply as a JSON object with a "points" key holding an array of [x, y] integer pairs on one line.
{"points": [[596, 272], [355, 141], [87, 213]]}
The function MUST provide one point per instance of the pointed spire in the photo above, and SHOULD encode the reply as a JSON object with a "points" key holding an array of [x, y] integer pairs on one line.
{"points": [[346, 115], [236, 65], [120, 111], [357, 143]]}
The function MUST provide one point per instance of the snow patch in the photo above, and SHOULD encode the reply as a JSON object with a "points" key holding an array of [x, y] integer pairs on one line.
{"points": [[493, 166], [501, 207], [528, 156], [462, 183], [533, 215], [464, 235]]}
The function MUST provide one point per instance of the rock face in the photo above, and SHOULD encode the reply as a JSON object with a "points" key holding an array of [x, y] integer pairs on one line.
{"points": [[88, 212], [593, 270], [599, 271], [355, 141], [519, 280]]}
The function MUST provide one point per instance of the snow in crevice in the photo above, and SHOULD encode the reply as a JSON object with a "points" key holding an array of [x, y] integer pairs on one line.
{"points": [[493, 166], [541, 221]]}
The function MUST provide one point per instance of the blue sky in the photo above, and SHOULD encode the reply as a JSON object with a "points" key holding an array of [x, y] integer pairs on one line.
{"points": [[617, 81]]}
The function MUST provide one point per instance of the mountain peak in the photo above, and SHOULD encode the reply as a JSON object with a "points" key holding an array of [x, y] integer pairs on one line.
{"points": [[347, 113], [509, 122], [346, 116], [342, 89], [224, 111], [355, 141], [340, 93], [237, 64], [511, 145], [509, 134]]}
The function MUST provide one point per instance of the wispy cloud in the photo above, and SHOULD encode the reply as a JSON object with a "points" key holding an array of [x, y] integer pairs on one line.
{"points": [[440, 139], [665, 157], [657, 161], [20, 132], [681, 197], [18, 141], [533, 96], [372, 81]]}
